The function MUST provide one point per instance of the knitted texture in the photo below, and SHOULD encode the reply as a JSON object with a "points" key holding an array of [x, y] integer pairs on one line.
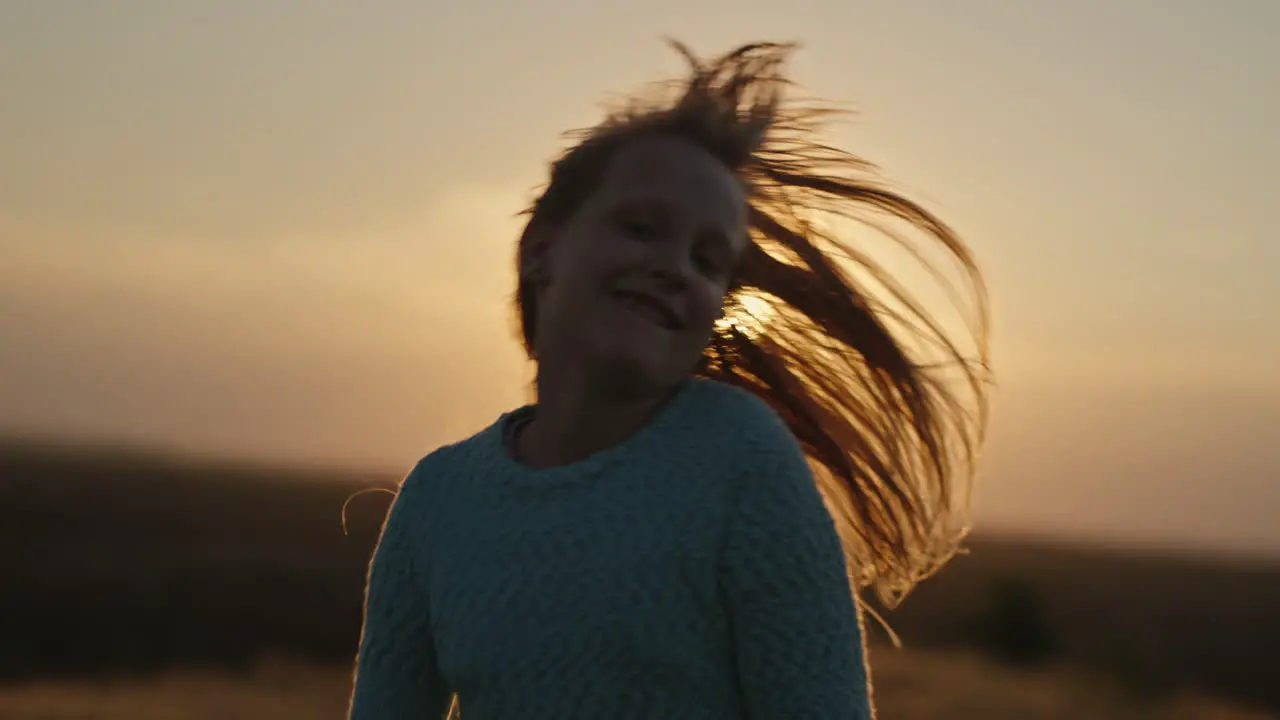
{"points": [[689, 572]]}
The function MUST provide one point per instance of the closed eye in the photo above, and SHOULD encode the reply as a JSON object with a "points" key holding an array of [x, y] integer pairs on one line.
{"points": [[641, 221], [711, 256], [706, 264], [639, 229]]}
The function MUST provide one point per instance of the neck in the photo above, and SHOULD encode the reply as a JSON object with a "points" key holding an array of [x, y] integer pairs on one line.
{"points": [[578, 415]]}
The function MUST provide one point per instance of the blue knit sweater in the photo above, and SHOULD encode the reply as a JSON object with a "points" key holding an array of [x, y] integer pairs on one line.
{"points": [[691, 571]]}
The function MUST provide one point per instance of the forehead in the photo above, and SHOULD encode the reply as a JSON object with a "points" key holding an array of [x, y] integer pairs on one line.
{"points": [[679, 173]]}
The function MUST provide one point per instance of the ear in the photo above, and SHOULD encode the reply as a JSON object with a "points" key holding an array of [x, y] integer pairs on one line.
{"points": [[535, 262]]}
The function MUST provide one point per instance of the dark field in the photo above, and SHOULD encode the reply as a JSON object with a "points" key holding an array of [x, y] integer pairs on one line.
{"points": [[175, 578]]}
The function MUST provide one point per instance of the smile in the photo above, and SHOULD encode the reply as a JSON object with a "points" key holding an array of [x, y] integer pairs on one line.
{"points": [[650, 308]]}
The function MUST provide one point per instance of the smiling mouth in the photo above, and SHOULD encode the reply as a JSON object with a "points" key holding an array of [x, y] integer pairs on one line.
{"points": [[649, 308]]}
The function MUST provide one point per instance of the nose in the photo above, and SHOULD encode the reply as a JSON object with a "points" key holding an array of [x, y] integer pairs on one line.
{"points": [[671, 262]]}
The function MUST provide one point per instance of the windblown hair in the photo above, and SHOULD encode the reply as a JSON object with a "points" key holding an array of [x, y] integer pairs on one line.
{"points": [[889, 407]]}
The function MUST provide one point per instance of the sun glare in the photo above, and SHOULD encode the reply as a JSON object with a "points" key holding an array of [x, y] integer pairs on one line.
{"points": [[750, 314]]}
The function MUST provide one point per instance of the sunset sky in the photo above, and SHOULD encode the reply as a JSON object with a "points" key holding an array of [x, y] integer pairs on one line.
{"points": [[284, 229]]}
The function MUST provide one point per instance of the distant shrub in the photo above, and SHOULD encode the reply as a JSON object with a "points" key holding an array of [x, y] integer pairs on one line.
{"points": [[1015, 629]]}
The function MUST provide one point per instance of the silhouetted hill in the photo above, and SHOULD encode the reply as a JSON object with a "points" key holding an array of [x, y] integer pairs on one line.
{"points": [[134, 560]]}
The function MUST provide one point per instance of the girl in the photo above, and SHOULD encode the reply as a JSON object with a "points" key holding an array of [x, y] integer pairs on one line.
{"points": [[723, 415]]}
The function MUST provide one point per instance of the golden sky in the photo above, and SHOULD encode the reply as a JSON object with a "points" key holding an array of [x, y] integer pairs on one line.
{"points": [[283, 229]]}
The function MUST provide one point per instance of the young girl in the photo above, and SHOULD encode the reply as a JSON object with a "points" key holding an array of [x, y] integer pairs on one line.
{"points": [[676, 528]]}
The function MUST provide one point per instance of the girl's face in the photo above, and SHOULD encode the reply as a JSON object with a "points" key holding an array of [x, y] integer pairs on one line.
{"points": [[634, 282]]}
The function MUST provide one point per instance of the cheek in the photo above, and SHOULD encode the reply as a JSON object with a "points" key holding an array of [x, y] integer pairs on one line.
{"points": [[594, 260], [708, 308]]}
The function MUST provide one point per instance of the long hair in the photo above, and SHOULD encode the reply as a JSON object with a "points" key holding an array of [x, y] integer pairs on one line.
{"points": [[889, 407]]}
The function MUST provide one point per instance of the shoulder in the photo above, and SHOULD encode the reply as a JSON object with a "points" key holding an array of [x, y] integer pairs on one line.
{"points": [[730, 403], [773, 496], [744, 420], [749, 443], [435, 469], [432, 463]]}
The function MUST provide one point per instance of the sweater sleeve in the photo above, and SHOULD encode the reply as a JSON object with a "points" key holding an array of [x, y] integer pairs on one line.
{"points": [[797, 635], [396, 671]]}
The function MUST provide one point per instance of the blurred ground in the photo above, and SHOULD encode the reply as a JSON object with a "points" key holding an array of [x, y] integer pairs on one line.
{"points": [[910, 686]]}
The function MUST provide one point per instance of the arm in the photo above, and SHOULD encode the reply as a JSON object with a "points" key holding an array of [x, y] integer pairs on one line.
{"points": [[396, 671], [797, 633]]}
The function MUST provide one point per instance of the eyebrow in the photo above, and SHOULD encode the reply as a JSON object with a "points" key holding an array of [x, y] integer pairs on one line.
{"points": [[651, 202]]}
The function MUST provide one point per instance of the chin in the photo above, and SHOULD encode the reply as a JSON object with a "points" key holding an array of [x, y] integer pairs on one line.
{"points": [[637, 361], [631, 371], [628, 373]]}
